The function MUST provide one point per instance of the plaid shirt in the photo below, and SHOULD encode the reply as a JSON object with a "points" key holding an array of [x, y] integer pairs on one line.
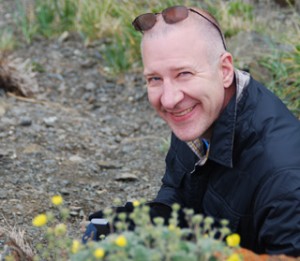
{"points": [[201, 146]]}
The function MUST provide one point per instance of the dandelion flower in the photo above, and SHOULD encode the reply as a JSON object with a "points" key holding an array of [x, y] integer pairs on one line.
{"points": [[57, 200], [171, 227], [234, 257], [136, 203], [75, 246], [233, 240], [121, 241], [99, 253], [40, 220]]}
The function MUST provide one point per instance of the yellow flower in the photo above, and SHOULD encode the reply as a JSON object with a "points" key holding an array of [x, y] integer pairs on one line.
{"points": [[57, 200], [234, 257], [99, 253], [233, 240], [136, 203], [121, 241], [75, 246], [40, 220], [60, 229], [171, 227], [174, 229]]}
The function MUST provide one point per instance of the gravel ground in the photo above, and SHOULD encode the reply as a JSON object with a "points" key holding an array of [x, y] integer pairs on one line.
{"points": [[84, 135]]}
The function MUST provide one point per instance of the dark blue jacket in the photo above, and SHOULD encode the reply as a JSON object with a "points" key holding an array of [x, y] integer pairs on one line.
{"points": [[252, 176]]}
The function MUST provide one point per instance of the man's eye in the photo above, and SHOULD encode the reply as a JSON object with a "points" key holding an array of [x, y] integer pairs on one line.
{"points": [[153, 79], [184, 73]]}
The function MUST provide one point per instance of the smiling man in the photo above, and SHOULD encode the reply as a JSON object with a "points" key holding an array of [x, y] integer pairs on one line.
{"points": [[176, 63], [235, 147]]}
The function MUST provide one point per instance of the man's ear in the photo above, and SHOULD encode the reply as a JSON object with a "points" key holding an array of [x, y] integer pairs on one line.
{"points": [[227, 69]]}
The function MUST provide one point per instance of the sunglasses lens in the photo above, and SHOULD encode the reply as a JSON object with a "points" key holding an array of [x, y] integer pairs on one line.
{"points": [[175, 14], [144, 22]]}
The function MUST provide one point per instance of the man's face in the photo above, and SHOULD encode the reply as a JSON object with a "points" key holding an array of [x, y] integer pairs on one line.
{"points": [[186, 90]]}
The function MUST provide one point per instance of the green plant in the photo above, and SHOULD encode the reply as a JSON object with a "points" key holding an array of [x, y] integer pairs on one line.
{"points": [[233, 16], [159, 242], [110, 20], [7, 40], [24, 19], [93, 19], [55, 16], [149, 241], [284, 67], [117, 56], [122, 53]]}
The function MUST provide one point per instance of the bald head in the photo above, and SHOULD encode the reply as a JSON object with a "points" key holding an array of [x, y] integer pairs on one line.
{"points": [[199, 23]]}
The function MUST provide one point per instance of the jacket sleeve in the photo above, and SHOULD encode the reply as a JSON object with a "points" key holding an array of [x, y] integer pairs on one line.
{"points": [[280, 216], [168, 195]]}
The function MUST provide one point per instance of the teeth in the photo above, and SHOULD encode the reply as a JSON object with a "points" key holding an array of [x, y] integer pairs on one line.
{"points": [[183, 112]]}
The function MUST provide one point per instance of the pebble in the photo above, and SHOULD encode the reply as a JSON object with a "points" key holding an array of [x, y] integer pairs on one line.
{"points": [[65, 192], [126, 177], [76, 158], [108, 164], [90, 86], [50, 121], [25, 121], [75, 211], [63, 37]]}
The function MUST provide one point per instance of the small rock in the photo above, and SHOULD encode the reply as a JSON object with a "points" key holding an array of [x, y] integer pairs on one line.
{"points": [[90, 86], [126, 177], [50, 121], [25, 121], [108, 164], [81, 213], [88, 64], [101, 191], [75, 211], [63, 37], [65, 192], [77, 52], [76, 158]]}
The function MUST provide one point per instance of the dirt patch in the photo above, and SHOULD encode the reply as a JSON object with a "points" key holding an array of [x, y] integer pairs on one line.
{"points": [[89, 137]]}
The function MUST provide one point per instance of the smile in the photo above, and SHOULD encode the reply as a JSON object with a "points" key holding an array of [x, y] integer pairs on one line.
{"points": [[182, 113]]}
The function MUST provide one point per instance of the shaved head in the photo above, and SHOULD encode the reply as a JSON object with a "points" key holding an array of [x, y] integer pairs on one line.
{"points": [[206, 32]]}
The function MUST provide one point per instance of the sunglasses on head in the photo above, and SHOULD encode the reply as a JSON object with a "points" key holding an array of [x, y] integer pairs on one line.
{"points": [[171, 15]]}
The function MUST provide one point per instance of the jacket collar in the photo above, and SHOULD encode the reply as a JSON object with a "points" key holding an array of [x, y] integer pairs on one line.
{"points": [[222, 140]]}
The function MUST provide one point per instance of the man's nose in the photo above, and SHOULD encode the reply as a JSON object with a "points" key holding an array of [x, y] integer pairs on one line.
{"points": [[171, 95]]}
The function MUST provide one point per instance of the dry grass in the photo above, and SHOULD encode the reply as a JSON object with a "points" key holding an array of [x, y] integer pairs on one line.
{"points": [[17, 76], [15, 245]]}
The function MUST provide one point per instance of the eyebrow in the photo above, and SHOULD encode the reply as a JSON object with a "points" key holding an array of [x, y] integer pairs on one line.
{"points": [[146, 74], [181, 68], [172, 69]]}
